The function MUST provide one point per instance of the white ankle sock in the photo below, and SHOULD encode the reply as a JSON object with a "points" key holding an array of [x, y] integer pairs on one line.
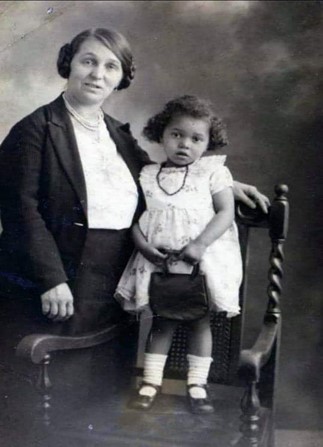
{"points": [[198, 371], [153, 372]]}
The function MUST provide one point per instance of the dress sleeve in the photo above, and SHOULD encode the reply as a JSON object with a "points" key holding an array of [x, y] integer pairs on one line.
{"points": [[148, 174], [220, 179]]}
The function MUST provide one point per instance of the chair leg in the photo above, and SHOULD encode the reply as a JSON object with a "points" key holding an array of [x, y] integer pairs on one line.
{"points": [[272, 435], [250, 406], [43, 386]]}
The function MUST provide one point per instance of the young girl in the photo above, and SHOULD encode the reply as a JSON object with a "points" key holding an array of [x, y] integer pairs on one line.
{"points": [[190, 209]]}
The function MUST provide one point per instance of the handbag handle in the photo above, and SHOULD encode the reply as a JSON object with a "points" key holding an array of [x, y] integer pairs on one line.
{"points": [[196, 267]]}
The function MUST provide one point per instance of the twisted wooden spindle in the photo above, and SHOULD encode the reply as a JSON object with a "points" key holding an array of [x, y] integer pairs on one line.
{"points": [[278, 232], [275, 276]]}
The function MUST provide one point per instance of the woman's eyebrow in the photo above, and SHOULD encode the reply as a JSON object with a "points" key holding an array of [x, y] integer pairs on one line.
{"points": [[89, 54], [110, 59]]}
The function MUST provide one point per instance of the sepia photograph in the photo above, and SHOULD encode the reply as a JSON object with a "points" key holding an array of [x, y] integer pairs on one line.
{"points": [[160, 223]]}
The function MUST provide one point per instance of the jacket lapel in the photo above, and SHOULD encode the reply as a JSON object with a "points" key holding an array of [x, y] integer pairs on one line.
{"points": [[62, 136], [124, 142]]}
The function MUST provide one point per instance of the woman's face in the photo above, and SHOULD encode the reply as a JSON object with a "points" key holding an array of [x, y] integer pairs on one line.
{"points": [[95, 73]]}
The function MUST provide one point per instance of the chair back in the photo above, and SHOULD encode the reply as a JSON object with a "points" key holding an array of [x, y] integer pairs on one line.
{"points": [[227, 333]]}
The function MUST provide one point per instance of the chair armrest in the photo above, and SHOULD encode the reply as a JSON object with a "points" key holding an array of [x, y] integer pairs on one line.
{"points": [[36, 347], [253, 359], [252, 217]]}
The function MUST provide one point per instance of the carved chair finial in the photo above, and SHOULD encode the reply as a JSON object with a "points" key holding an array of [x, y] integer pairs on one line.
{"points": [[281, 190]]}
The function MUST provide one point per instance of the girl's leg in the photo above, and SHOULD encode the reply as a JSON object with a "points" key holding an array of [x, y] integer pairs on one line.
{"points": [[161, 335], [158, 345], [200, 337], [199, 361]]}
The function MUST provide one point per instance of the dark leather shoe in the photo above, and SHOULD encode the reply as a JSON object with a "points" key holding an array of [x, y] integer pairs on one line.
{"points": [[140, 402], [200, 406]]}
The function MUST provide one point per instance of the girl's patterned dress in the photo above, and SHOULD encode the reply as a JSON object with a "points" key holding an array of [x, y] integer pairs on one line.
{"points": [[171, 221]]}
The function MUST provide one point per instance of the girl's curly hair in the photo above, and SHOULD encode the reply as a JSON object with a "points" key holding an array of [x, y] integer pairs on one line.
{"points": [[113, 40], [187, 105]]}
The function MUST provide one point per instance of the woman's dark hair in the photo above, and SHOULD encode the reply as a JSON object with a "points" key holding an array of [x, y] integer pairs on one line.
{"points": [[194, 107], [113, 40]]}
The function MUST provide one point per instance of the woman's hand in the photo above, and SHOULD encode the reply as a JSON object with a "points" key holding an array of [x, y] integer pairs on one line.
{"points": [[57, 303], [192, 253], [250, 195]]}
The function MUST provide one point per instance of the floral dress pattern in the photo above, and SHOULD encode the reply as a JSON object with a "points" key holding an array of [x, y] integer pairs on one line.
{"points": [[171, 221]]}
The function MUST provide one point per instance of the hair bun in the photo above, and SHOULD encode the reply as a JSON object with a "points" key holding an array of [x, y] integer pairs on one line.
{"points": [[64, 60], [128, 75]]}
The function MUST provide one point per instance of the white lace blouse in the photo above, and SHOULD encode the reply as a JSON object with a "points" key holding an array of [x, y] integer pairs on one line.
{"points": [[112, 194]]}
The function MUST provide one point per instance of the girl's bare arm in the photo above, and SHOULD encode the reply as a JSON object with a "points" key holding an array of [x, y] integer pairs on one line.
{"points": [[224, 206]]}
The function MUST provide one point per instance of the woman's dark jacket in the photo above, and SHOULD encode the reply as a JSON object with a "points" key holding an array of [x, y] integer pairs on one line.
{"points": [[43, 195]]}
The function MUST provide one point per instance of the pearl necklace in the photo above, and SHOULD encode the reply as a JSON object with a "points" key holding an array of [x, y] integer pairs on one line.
{"points": [[89, 125]]}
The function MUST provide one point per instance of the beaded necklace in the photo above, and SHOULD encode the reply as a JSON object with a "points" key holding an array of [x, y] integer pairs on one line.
{"points": [[163, 189]]}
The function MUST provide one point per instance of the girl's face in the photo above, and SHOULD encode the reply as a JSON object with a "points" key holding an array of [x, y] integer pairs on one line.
{"points": [[185, 139], [95, 73]]}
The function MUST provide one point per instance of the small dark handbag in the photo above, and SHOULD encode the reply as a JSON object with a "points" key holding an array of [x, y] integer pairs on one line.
{"points": [[178, 296]]}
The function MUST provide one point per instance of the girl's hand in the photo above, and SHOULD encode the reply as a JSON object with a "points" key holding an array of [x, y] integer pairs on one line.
{"points": [[153, 254], [192, 253]]}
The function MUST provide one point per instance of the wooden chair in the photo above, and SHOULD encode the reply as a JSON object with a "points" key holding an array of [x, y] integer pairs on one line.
{"points": [[253, 372]]}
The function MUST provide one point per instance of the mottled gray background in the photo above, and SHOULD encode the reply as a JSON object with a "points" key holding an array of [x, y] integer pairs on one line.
{"points": [[261, 65]]}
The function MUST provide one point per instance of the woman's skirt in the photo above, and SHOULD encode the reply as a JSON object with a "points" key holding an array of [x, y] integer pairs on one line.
{"points": [[103, 260]]}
